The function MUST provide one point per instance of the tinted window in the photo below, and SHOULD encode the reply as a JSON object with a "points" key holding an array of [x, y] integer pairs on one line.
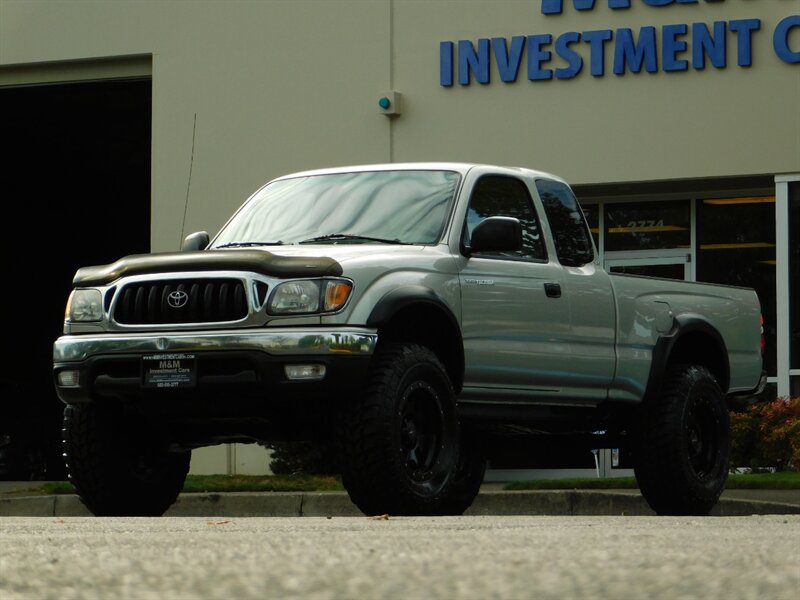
{"points": [[497, 196], [570, 234]]}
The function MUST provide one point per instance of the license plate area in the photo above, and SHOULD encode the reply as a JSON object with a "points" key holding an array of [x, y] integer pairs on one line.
{"points": [[169, 370]]}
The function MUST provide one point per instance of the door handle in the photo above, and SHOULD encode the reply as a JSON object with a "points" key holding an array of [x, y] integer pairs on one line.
{"points": [[553, 290]]}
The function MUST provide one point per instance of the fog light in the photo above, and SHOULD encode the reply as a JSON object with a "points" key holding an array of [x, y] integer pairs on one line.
{"points": [[304, 372], [68, 379]]}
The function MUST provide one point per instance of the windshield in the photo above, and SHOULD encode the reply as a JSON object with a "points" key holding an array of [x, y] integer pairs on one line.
{"points": [[404, 207]]}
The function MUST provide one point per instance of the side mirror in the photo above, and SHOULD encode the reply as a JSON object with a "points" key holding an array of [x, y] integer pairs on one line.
{"points": [[497, 234], [195, 241]]}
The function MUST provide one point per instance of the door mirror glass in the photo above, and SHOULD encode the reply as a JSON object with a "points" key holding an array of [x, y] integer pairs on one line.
{"points": [[497, 234]]}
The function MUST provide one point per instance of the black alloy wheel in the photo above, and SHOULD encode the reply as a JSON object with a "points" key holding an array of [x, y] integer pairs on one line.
{"points": [[399, 438], [683, 445]]}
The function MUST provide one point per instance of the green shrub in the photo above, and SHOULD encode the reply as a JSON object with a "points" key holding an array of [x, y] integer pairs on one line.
{"points": [[767, 435], [293, 458]]}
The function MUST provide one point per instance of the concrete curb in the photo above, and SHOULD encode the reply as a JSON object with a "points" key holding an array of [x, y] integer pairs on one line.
{"points": [[337, 504]]}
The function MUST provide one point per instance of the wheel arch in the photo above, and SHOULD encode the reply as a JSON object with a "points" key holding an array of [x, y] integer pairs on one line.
{"points": [[418, 314], [694, 340]]}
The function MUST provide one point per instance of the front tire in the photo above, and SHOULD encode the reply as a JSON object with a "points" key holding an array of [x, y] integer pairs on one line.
{"points": [[118, 464], [468, 477], [400, 437], [683, 447]]}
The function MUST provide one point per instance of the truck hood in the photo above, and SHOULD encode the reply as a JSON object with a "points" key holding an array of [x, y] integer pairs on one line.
{"points": [[253, 260], [284, 262], [347, 253]]}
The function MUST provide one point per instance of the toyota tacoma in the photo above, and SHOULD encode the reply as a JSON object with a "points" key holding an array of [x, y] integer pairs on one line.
{"points": [[413, 320]]}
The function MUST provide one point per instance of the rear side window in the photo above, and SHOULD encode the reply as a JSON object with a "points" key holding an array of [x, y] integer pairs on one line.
{"points": [[499, 196], [570, 233]]}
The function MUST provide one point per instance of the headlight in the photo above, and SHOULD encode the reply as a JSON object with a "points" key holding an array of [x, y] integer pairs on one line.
{"points": [[308, 296], [84, 306]]}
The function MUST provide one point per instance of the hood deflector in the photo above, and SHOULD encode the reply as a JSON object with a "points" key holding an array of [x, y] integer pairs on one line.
{"points": [[257, 261]]}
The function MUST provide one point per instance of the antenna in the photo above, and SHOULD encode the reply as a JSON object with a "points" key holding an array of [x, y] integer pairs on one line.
{"points": [[189, 184]]}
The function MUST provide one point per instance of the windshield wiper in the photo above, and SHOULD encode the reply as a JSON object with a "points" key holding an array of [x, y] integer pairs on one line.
{"points": [[335, 237], [248, 244]]}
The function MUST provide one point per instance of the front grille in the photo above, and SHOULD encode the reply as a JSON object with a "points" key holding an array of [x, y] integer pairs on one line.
{"points": [[181, 301]]}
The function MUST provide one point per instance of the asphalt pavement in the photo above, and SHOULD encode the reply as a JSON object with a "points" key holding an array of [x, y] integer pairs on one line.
{"points": [[447, 558], [491, 501]]}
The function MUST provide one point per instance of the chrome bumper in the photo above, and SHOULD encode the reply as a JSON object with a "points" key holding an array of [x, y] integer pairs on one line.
{"points": [[281, 342]]}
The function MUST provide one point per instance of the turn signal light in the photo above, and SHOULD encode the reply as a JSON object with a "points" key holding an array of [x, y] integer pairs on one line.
{"points": [[336, 294]]}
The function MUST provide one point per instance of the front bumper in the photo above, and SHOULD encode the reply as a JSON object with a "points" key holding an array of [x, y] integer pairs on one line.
{"points": [[283, 342], [240, 370]]}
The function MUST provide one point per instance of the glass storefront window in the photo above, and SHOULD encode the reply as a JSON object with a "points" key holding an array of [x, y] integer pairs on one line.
{"points": [[675, 271], [592, 214], [647, 225], [736, 246]]}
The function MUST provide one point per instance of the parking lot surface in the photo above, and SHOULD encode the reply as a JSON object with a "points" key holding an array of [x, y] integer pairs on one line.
{"points": [[358, 557]]}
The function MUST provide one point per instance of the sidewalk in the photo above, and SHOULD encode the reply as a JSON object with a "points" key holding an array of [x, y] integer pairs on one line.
{"points": [[337, 504]]}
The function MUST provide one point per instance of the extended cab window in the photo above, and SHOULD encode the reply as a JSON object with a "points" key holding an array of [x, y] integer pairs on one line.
{"points": [[498, 196], [567, 223]]}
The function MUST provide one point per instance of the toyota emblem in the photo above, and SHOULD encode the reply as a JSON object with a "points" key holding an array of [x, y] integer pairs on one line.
{"points": [[178, 299]]}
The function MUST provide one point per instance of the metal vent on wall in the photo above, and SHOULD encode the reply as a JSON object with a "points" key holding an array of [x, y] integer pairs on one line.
{"points": [[181, 301]]}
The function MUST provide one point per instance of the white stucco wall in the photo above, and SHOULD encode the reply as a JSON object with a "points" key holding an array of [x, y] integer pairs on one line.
{"points": [[266, 87], [278, 86]]}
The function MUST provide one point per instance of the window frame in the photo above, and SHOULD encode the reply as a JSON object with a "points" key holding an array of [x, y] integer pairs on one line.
{"points": [[594, 255], [464, 247]]}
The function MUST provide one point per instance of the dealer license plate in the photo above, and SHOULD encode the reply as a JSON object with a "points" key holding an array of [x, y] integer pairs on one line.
{"points": [[169, 370]]}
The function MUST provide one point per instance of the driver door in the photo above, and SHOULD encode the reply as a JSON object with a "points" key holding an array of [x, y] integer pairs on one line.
{"points": [[515, 320]]}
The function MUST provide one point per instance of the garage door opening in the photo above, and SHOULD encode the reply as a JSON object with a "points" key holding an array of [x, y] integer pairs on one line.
{"points": [[75, 191]]}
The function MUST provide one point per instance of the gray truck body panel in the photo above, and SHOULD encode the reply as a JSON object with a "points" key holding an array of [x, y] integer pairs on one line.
{"points": [[597, 341]]}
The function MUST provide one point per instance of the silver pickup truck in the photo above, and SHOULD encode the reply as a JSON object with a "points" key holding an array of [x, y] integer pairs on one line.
{"points": [[412, 318]]}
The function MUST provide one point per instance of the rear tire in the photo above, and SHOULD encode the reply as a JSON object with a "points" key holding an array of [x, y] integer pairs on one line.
{"points": [[118, 464], [400, 436], [683, 447]]}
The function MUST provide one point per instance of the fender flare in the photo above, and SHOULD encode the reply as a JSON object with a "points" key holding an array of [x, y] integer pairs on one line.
{"points": [[399, 298], [685, 324]]}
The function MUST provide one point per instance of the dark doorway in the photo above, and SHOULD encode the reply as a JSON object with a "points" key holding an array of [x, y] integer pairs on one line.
{"points": [[75, 190]]}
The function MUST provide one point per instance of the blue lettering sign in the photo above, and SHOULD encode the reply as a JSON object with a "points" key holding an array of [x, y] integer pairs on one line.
{"points": [[556, 7], [508, 62], [597, 43], [780, 40], [446, 64], [537, 56], [704, 44], [668, 2], [671, 46], [744, 29], [573, 59], [678, 47], [470, 61], [632, 54]]}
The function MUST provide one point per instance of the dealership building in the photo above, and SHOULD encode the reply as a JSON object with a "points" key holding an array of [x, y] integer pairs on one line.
{"points": [[130, 124]]}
